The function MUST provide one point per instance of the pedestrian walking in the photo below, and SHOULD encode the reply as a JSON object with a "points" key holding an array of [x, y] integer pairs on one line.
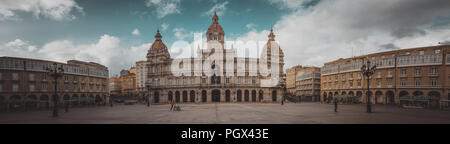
{"points": [[335, 105], [173, 103]]}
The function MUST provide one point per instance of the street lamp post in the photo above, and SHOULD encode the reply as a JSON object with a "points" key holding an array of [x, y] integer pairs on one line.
{"points": [[55, 72], [368, 70]]}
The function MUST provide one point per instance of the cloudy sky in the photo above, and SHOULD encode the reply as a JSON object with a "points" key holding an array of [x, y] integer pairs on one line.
{"points": [[117, 33]]}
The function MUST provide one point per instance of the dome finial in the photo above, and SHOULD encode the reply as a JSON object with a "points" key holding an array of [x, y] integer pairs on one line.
{"points": [[215, 18], [271, 35], [158, 35]]}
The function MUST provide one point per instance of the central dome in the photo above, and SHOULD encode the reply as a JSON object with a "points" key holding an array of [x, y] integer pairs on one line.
{"points": [[215, 31]]}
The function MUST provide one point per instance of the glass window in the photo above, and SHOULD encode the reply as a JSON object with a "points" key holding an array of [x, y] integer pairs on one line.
{"points": [[433, 71], [403, 83], [417, 83], [433, 82], [15, 76], [31, 77], [31, 87], [15, 87], [403, 72], [437, 51], [44, 86]]}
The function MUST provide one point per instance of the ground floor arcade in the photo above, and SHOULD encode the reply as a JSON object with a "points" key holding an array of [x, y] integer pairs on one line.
{"points": [[207, 95], [432, 98], [34, 101]]}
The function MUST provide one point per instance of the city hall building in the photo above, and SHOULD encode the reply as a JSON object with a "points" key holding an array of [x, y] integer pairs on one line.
{"points": [[25, 84], [418, 76], [229, 86]]}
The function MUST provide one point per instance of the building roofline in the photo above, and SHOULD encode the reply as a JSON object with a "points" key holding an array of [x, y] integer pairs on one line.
{"points": [[384, 52]]}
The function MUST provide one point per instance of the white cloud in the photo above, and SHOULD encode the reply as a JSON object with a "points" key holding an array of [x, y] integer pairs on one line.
{"points": [[106, 51], [164, 26], [290, 4], [16, 43], [164, 7], [219, 8], [181, 33], [250, 26], [135, 32], [345, 28], [18, 47], [21, 45], [53, 9]]}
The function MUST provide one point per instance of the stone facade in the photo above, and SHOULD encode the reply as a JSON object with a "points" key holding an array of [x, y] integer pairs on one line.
{"points": [[25, 84], [225, 84], [125, 84], [141, 76], [418, 75], [307, 84]]}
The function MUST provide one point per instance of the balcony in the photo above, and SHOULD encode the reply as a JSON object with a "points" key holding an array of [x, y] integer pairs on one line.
{"points": [[418, 75], [75, 82], [403, 75], [389, 76], [433, 74], [420, 86]]}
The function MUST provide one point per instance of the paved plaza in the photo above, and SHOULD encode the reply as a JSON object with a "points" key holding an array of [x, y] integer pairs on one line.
{"points": [[241, 113]]}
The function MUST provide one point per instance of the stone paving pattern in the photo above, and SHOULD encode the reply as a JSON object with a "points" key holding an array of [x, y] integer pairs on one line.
{"points": [[240, 113]]}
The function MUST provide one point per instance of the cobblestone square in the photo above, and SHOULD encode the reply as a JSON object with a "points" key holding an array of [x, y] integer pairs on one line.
{"points": [[240, 113]]}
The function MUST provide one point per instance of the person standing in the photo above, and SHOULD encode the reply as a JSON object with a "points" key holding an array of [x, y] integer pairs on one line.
{"points": [[335, 105]]}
